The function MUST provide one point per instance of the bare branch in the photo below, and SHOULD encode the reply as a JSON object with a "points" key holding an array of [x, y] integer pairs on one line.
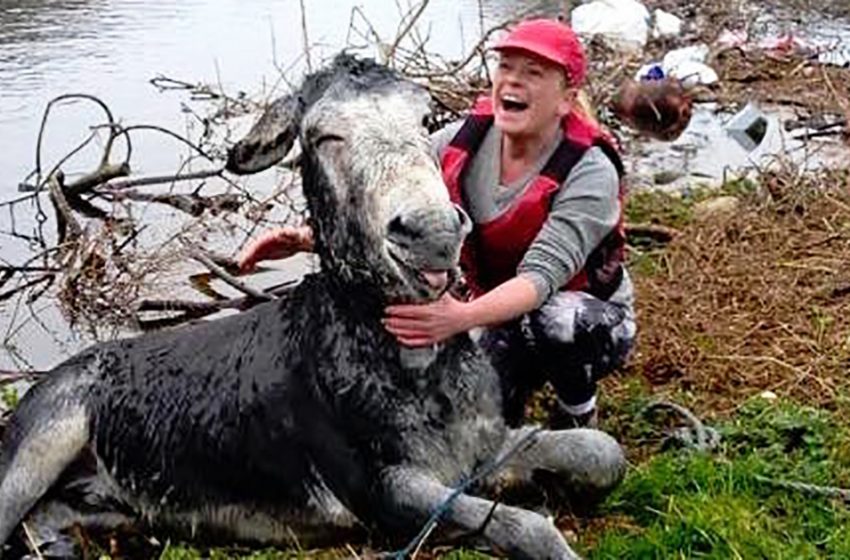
{"points": [[160, 179], [305, 37], [204, 259], [406, 29], [50, 104]]}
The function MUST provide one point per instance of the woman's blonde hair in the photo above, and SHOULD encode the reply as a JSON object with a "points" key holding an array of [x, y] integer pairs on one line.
{"points": [[584, 107]]}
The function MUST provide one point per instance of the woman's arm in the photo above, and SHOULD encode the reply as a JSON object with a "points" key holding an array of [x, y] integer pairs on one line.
{"points": [[427, 324]]}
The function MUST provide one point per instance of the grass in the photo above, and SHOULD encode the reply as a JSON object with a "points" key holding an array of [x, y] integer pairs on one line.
{"points": [[697, 505]]}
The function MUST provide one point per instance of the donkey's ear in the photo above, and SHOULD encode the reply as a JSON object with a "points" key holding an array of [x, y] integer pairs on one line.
{"points": [[270, 139]]}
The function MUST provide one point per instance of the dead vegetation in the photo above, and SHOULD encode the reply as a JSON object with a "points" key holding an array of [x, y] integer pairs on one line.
{"points": [[754, 301]]}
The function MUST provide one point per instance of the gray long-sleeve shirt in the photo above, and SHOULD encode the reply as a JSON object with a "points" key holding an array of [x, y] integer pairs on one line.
{"points": [[584, 210]]}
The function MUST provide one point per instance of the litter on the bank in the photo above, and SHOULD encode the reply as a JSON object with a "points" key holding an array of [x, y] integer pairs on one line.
{"points": [[666, 24], [748, 127], [833, 53], [651, 71], [836, 56], [686, 64], [624, 24]]}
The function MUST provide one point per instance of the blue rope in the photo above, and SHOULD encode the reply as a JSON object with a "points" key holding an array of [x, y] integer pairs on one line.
{"points": [[488, 469]]}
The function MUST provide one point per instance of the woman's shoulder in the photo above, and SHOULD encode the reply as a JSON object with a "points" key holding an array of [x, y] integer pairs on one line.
{"points": [[594, 172]]}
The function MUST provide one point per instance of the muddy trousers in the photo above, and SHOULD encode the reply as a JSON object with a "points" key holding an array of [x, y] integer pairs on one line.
{"points": [[572, 341]]}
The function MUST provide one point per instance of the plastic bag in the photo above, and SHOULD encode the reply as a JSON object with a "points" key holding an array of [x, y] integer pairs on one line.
{"points": [[623, 23]]}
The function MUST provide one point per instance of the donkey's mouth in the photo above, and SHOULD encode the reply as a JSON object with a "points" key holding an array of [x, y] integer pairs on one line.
{"points": [[429, 283]]}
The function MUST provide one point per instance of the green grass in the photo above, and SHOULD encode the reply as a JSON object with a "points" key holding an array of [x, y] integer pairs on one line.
{"points": [[696, 505], [675, 209]]}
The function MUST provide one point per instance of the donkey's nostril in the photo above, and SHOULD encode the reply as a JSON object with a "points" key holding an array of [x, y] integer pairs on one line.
{"points": [[399, 227], [464, 219]]}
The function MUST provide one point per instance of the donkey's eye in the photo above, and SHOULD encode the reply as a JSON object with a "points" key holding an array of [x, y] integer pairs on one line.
{"points": [[327, 138]]}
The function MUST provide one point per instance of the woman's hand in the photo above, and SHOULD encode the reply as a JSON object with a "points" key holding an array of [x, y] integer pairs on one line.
{"points": [[277, 243], [428, 323]]}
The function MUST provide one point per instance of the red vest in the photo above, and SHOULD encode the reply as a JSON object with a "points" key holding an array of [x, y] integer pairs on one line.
{"points": [[494, 250]]}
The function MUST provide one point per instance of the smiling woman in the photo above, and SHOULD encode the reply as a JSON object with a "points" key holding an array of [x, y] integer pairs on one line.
{"points": [[544, 261]]}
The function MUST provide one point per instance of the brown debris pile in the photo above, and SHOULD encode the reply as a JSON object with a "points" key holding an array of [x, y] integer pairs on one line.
{"points": [[783, 79], [756, 301]]}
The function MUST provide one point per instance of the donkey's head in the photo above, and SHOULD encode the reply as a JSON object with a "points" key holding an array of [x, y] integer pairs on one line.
{"points": [[380, 211]]}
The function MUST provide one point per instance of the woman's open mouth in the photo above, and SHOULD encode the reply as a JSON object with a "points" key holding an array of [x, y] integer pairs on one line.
{"points": [[512, 103]]}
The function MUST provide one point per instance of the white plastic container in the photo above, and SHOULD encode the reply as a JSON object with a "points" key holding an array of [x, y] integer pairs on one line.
{"points": [[748, 127]]}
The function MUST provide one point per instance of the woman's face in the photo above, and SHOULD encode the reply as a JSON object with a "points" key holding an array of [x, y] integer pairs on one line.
{"points": [[529, 94]]}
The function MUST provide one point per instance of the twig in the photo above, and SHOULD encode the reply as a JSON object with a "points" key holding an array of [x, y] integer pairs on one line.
{"points": [[658, 232], [15, 269], [161, 179], [204, 259], [305, 37], [18, 289], [104, 173], [806, 488], [768, 359], [454, 69], [31, 541], [50, 104], [66, 224], [171, 133], [39, 185], [192, 204], [7, 377], [406, 29], [198, 309]]}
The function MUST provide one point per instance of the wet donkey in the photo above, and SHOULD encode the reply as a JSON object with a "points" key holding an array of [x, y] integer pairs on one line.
{"points": [[304, 416]]}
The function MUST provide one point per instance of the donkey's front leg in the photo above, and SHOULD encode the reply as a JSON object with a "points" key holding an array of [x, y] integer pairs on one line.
{"points": [[586, 463], [410, 496]]}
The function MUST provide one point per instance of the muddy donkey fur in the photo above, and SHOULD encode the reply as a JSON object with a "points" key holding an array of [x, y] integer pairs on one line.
{"points": [[303, 417]]}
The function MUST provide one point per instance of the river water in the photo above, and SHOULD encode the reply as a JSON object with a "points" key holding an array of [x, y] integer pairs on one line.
{"points": [[112, 48]]}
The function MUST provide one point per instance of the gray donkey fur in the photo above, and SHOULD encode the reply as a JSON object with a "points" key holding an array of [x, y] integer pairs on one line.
{"points": [[304, 416]]}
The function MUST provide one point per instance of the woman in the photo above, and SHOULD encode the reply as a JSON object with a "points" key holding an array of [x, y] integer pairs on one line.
{"points": [[542, 184]]}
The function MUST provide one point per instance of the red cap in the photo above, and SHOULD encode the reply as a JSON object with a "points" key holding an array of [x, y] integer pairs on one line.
{"points": [[551, 40]]}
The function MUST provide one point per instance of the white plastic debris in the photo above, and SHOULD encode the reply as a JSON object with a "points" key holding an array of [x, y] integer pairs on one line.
{"points": [[748, 127], [624, 24], [694, 53], [692, 74], [666, 24], [835, 56], [689, 67]]}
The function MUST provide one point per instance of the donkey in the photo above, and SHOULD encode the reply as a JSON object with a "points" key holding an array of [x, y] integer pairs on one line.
{"points": [[303, 416]]}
